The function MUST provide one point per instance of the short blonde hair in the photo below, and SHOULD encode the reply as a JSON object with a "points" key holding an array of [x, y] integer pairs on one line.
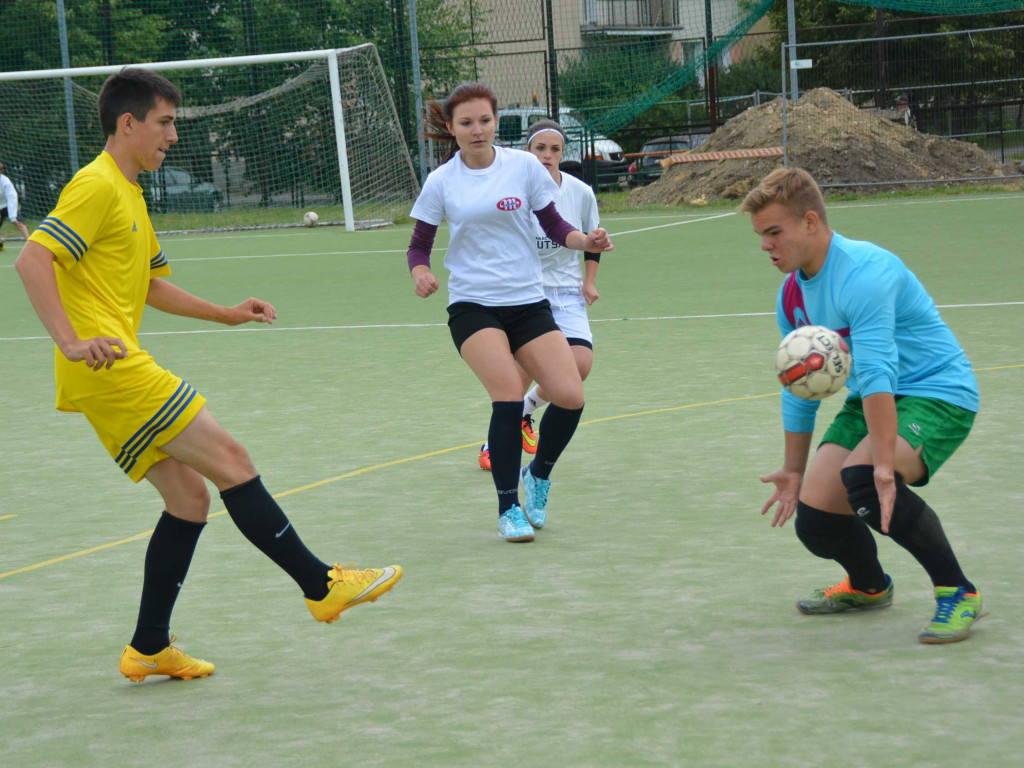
{"points": [[793, 188]]}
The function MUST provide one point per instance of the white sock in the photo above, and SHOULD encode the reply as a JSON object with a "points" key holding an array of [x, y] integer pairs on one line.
{"points": [[485, 447], [533, 401]]}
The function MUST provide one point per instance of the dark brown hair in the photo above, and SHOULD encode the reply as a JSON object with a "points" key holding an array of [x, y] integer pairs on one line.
{"points": [[133, 90], [439, 114]]}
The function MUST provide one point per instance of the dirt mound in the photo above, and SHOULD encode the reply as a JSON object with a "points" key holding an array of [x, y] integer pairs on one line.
{"points": [[829, 137]]}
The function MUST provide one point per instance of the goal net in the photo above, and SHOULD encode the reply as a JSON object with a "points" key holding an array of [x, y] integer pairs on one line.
{"points": [[261, 139]]}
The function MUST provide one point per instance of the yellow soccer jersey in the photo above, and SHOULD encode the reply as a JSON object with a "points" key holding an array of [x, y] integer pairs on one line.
{"points": [[106, 253]]}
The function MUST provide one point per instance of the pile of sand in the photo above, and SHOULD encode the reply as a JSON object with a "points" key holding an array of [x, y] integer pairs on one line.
{"points": [[829, 137]]}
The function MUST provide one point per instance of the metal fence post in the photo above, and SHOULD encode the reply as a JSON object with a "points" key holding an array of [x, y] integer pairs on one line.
{"points": [[785, 127], [69, 101], [417, 87]]}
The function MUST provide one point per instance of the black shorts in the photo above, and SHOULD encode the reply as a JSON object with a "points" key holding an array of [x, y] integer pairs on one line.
{"points": [[4, 217], [574, 342], [521, 324]]}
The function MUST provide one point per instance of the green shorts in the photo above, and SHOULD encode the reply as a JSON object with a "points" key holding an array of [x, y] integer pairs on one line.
{"points": [[923, 421]]}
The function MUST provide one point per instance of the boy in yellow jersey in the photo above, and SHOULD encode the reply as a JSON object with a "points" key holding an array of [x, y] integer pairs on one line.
{"points": [[89, 270]]}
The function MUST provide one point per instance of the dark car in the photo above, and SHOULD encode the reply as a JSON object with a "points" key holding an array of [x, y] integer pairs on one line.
{"points": [[175, 190], [646, 166]]}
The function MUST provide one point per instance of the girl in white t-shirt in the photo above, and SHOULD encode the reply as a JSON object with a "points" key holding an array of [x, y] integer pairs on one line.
{"points": [[567, 288], [497, 312]]}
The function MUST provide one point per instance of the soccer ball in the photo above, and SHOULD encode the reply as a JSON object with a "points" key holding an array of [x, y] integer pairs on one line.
{"points": [[310, 219], [813, 362]]}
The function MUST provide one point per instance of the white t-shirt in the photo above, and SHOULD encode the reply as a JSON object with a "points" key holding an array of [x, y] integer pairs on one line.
{"points": [[578, 206], [8, 197], [492, 253]]}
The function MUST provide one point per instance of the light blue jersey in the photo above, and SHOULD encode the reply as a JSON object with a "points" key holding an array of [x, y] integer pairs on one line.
{"points": [[898, 341]]}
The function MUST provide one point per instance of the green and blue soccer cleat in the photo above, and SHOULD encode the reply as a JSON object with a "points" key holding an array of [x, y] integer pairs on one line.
{"points": [[955, 614]]}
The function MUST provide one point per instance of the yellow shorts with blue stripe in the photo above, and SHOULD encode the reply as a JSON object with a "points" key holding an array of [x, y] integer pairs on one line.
{"points": [[152, 407]]}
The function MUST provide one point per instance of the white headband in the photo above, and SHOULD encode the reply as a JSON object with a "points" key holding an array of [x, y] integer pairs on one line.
{"points": [[546, 130]]}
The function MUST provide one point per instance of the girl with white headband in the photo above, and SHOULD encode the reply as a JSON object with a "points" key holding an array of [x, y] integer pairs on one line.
{"points": [[568, 288]]}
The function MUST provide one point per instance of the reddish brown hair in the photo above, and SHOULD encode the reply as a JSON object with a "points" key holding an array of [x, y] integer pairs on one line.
{"points": [[439, 114]]}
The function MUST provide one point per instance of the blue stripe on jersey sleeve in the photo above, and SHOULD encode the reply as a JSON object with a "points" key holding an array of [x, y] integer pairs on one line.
{"points": [[69, 232], [158, 261], [59, 237]]}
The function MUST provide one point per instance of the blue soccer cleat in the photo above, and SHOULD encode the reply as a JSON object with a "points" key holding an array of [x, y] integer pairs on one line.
{"points": [[535, 492], [513, 525]]}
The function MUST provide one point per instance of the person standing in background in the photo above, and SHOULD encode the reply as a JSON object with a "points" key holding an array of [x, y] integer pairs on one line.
{"points": [[9, 205]]}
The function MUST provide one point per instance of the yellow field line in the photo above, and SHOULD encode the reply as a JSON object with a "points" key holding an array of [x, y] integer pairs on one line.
{"points": [[1000, 367], [354, 473], [418, 457], [89, 551], [678, 408], [7, 517], [317, 484]]}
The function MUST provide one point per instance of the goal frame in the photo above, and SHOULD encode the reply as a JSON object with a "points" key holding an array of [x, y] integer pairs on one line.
{"points": [[330, 55]]}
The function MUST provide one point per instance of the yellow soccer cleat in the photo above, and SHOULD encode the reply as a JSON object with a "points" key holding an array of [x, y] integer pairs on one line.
{"points": [[348, 587], [171, 661]]}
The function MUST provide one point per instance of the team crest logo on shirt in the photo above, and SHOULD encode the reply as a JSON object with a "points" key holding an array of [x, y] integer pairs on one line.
{"points": [[134, 228], [509, 204]]}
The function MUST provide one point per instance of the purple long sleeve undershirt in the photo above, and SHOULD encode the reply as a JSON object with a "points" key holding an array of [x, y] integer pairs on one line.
{"points": [[420, 244], [555, 227], [422, 240]]}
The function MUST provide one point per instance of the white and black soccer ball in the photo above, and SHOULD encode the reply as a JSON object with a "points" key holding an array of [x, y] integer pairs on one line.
{"points": [[310, 219], [813, 362]]}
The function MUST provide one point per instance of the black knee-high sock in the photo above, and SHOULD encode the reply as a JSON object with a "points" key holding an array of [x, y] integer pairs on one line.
{"points": [[845, 539], [263, 523], [557, 427], [914, 525], [503, 438], [167, 559]]}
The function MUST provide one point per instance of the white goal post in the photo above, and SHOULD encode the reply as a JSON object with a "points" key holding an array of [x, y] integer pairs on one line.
{"points": [[307, 130]]}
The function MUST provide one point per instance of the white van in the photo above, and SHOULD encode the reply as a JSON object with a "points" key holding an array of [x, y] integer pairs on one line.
{"points": [[585, 153]]}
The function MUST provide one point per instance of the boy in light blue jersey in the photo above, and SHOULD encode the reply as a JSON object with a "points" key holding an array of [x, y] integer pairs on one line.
{"points": [[913, 399]]}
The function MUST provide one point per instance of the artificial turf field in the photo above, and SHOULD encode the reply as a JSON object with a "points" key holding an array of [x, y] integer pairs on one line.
{"points": [[652, 621]]}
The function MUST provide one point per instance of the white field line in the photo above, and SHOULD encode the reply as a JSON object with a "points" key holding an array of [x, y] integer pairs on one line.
{"points": [[181, 259], [371, 326], [884, 204]]}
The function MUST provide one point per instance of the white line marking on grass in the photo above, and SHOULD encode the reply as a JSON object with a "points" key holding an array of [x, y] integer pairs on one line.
{"points": [[180, 259], [252, 234], [370, 326], [676, 317], [834, 206], [673, 224], [652, 216], [930, 201]]}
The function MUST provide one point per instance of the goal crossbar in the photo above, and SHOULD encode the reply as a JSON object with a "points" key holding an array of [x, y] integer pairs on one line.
{"points": [[157, 66], [329, 56]]}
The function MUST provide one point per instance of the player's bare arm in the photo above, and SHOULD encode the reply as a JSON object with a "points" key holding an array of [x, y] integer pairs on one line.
{"points": [[596, 241], [788, 478], [590, 294], [426, 283], [35, 267], [169, 298]]}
